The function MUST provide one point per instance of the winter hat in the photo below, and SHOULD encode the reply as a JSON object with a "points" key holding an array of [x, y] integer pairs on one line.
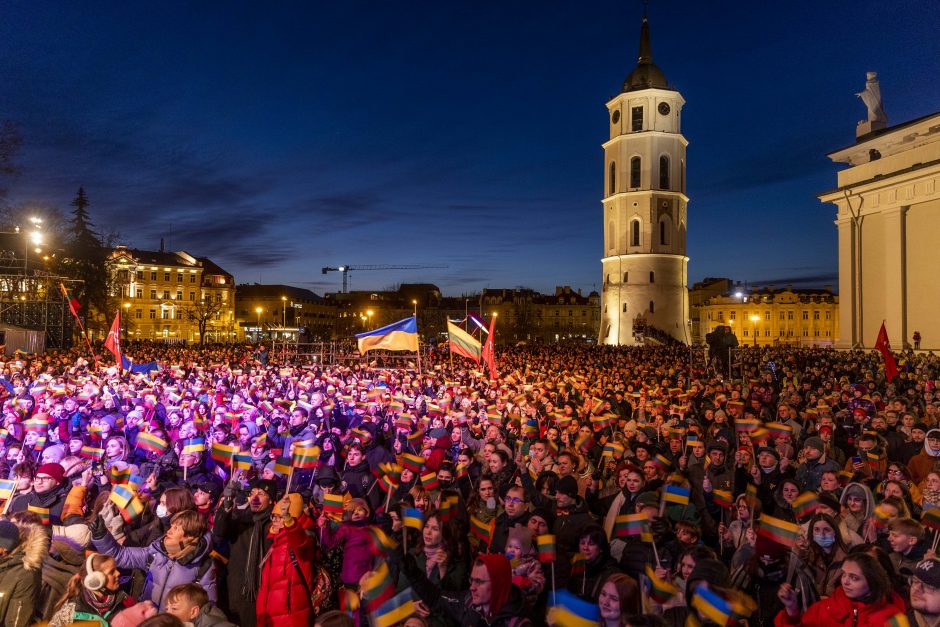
{"points": [[935, 434], [770, 450], [326, 476], [712, 571], [270, 466], [545, 514], [567, 486], [209, 487], [267, 486], [53, 470], [500, 573], [352, 504], [829, 500], [855, 490], [718, 446], [647, 498], [815, 443], [523, 535], [9, 535]]}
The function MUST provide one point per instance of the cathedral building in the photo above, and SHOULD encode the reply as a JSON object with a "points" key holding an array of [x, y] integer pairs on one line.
{"points": [[645, 269]]}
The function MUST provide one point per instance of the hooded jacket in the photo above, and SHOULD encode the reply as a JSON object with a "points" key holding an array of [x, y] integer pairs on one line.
{"points": [[283, 599], [839, 610], [63, 560], [925, 461], [21, 579], [164, 573], [505, 608], [357, 548], [854, 522]]}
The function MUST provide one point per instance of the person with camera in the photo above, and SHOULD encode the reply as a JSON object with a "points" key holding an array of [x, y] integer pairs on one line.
{"points": [[244, 523]]}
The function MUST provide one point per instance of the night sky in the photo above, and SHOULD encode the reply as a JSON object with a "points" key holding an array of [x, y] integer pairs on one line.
{"points": [[280, 137]]}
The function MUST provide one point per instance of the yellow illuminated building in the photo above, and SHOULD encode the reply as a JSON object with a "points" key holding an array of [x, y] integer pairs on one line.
{"points": [[167, 296], [784, 316]]}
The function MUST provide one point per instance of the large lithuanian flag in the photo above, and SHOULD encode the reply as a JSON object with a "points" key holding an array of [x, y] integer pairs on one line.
{"points": [[462, 343]]}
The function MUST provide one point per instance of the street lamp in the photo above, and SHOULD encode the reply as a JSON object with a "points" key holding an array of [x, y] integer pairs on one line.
{"points": [[283, 311], [258, 311], [369, 313], [415, 303], [754, 319]]}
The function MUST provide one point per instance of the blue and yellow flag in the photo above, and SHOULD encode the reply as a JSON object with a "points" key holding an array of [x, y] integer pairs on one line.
{"points": [[398, 336]]}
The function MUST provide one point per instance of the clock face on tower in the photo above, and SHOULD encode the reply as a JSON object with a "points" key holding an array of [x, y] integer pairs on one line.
{"points": [[664, 108], [615, 116]]}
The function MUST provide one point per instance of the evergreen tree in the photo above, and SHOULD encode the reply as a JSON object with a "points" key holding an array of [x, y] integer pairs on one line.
{"points": [[85, 259]]}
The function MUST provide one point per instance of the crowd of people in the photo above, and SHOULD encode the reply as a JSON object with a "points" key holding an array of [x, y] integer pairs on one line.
{"points": [[584, 486]]}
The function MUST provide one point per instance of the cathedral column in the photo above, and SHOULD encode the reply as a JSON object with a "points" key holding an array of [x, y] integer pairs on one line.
{"points": [[895, 289], [848, 284]]}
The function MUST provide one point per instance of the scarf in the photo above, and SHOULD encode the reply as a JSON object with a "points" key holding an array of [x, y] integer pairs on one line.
{"points": [[101, 603], [253, 561], [179, 551]]}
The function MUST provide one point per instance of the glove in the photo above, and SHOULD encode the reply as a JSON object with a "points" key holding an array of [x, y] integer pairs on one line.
{"points": [[98, 528], [660, 526], [230, 489]]}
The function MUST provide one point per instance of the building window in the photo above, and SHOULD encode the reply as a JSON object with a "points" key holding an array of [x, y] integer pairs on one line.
{"points": [[166, 294], [828, 315], [635, 233], [721, 316], [624, 308], [789, 315], [192, 296], [733, 315], [138, 313], [816, 315], [766, 315], [611, 235], [153, 314], [613, 179], [805, 332], [636, 119], [626, 277], [652, 277], [179, 295], [179, 277], [781, 332], [805, 315], [783, 316], [662, 232], [652, 307], [153, 276], [139, 293], [664, 172], [745, 332], [607, 331], [166, 276], [767, 332], [635, 166], [165, 314], [607, 279], [153, 294], [192, 278]]}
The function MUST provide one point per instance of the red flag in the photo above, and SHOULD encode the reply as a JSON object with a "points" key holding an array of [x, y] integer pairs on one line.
{"points": [[113, 341], [883, 346], [74, 305], [489, 349]]}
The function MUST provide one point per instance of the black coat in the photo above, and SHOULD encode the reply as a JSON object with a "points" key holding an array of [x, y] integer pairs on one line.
{"points": [[247, 535]]}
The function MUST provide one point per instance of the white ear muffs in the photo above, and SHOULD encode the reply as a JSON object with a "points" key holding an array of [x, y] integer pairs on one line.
{"points": [[94, 580]]}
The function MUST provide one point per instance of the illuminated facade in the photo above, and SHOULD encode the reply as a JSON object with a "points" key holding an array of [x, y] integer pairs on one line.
{"points": [[645, 270], [888, 217], [786, 316], [165, 295]]}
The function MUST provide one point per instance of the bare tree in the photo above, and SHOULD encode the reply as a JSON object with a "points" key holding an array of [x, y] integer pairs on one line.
{"points": [[201, 313]]}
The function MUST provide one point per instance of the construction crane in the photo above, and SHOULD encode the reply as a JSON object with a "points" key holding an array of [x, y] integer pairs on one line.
{"points": [[346, 269]]}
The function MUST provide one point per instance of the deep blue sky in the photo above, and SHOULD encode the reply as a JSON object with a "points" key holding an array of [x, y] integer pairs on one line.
{"points": [[279, 137]]}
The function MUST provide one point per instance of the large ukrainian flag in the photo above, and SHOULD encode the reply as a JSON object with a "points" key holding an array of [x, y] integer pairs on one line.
{"points": [[398, 336]]}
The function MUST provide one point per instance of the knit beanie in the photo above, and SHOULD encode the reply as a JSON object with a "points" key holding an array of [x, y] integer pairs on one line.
{"points": [[815, 443]]}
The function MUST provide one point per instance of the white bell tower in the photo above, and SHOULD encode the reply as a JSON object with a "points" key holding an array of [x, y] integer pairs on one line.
{"points": [[645, 270]]}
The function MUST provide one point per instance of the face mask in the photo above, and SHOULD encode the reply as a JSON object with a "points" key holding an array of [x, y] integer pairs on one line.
{"points": [[824, 541], [491, 503], [162, 511]]}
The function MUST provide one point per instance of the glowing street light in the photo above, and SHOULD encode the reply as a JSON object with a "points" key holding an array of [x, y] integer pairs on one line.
{"points": [[415, 303], [283, 311], [754, 319], [258, 311]]}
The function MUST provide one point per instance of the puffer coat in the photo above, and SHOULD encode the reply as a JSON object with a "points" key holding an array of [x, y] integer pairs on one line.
{"points": [[21, 578], [283, 599], [164, 573]]}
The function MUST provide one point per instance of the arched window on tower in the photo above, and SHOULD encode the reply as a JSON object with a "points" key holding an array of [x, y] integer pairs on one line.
{"points": [[664, 172], [612, 189], [611, 236], [652, 307], [635, 172], [635, 233], [662, 233]]}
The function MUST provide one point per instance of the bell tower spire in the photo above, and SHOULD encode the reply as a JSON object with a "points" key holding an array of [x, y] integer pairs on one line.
{"points": [[644, 264]]}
